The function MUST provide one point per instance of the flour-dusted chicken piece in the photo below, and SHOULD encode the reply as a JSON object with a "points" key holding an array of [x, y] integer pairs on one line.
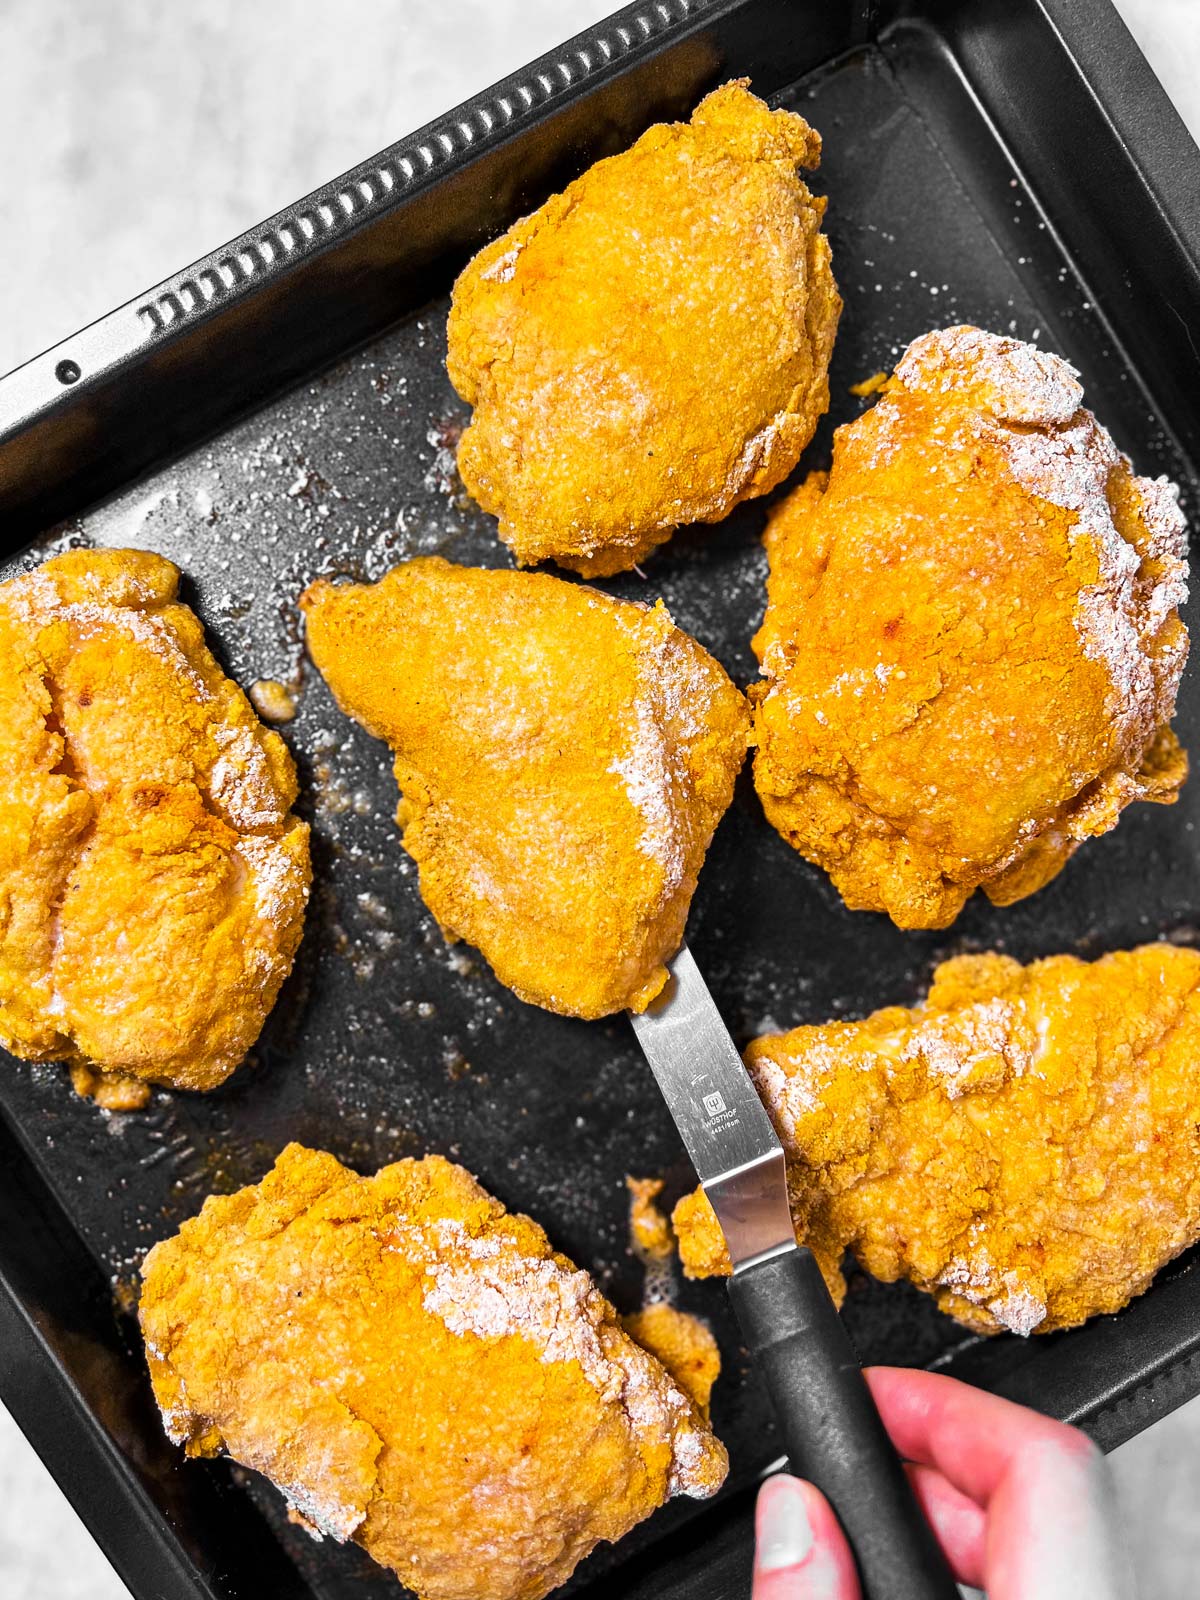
{"points": [[972, 644], [563, 759], [651, 346], [153, 879], [419, 1371], [1024, 1144]]}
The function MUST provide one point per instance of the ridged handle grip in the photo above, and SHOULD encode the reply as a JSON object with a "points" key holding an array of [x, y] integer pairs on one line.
{"points": [[832, 1430]]}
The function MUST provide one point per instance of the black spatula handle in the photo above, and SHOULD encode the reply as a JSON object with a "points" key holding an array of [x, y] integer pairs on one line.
{"points": [[833, 1433]]}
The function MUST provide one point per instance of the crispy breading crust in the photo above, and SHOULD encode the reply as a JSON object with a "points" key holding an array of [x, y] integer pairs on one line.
{"points": [[1024, 1144], [152, 877], [683, 1343], [563, 760], [651, 346], [417, 1370], [997, 686]]}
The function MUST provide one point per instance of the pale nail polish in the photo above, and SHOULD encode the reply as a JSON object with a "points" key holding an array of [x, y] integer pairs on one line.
{"points": [[785, 1537]]}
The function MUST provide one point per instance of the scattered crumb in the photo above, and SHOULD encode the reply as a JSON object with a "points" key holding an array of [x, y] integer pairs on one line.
{"points": [[649, 1231], [456, 1064], [125, 1295], [112, 1091], [871, 385], [272, 701]]}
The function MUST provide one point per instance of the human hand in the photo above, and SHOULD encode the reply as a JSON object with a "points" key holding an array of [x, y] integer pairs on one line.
{"points": [[1023, 1507]]}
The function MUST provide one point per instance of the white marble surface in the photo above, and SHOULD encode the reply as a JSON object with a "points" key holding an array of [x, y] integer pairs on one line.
{"points": [[133, 138]]}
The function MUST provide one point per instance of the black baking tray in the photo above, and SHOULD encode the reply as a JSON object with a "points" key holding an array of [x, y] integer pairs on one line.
{"points": [[281, 409]]}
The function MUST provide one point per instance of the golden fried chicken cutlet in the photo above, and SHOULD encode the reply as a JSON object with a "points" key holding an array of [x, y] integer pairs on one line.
{"points": [[1024, 1144], [419, 1371], [971, 648], [651, 346], [152, 877], [563, 759]]}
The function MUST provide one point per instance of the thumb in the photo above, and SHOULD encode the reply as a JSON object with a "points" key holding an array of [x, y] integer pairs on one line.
{"points": [[800, 1551]]}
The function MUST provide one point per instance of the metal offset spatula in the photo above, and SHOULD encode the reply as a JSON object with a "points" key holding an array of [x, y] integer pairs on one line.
{"points": [[831, 1429]]}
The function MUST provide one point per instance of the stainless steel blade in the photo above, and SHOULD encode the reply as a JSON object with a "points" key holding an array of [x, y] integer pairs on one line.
{"points": [[728, 1135]]}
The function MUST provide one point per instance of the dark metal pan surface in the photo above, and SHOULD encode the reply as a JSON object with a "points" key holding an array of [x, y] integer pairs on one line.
{"points": [[985, 163]]}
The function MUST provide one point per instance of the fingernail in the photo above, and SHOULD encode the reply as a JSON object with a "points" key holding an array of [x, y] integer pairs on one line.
{"points": [[785, 1534]]}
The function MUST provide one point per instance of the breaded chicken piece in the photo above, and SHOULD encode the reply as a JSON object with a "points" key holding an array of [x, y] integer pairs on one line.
{"points": [[651, 346], [971, 647], [1024, 1144], [152, 877], [563, 759], [419, 1371]]}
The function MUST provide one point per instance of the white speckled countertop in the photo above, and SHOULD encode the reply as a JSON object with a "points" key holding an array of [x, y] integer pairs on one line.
{"points": [[246, 107]]}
